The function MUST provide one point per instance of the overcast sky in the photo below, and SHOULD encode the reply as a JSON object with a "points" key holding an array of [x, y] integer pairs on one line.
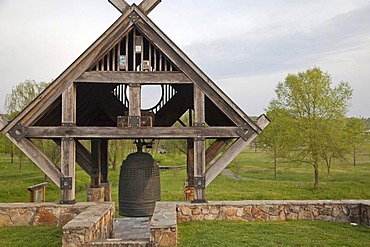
{"points": [[245, 46]]}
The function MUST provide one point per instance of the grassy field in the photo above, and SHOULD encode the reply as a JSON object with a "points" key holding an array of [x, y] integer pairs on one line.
{"points": [[255, 181], [41, 236], [287, 233]]}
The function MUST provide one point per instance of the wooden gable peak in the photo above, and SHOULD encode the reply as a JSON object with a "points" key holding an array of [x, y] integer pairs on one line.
{"points": [[193, 72]]}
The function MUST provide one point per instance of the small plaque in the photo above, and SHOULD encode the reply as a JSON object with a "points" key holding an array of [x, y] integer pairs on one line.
{"points": [[122, 62]]}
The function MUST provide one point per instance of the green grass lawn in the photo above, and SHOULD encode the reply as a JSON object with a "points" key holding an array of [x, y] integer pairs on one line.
{"points": [[30, 236], [255, 182], [286, 233]]}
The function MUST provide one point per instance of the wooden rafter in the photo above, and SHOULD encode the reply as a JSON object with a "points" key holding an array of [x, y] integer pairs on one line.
{"points": [[148, 5], [234, 150], [33, 111], [121, 5]]}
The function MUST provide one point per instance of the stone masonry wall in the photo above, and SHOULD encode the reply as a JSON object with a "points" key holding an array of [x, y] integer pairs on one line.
{"points": [[163, 225], [334, 211], [365, 216], [81, 222], [38, 214], [96, 222]]}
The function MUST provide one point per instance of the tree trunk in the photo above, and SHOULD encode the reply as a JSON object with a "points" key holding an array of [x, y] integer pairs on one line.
{"points": [[328, 165], [114, 163], [354, 155], [275, 164], [317, 182], [20, 162], [275, 156], [11, 153]]}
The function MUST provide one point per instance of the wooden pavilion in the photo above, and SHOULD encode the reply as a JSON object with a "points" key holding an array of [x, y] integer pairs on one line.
{"points": [[98, 98]]}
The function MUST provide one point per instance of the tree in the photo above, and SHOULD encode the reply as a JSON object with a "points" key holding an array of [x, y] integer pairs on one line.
{"points": [[356, 128], [274, 136], [22, 95], [313, 110]]}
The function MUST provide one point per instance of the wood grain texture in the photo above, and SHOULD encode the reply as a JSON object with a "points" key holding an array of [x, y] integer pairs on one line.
{"points": [[67, 160], [96, 163], [135, 100], [120, 5], [137, 77], [199, 167], [216, 147], [148, 5], [130, 133]]}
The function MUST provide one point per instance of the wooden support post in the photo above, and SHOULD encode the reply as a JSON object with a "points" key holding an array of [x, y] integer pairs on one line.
{"points": [[189, 187], [68, 147], [104, 161], [96, 191], [96, 163], [199, 147], [135, 105], [105, 170]]}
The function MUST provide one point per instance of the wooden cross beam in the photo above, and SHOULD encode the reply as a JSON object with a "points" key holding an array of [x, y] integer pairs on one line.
{"points": [[146, 5]]}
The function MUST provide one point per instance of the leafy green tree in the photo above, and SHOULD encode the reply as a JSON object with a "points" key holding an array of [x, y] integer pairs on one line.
{"points": [[22, 95], [356, 128], [335, 144], [274, 136], [314, 108]]}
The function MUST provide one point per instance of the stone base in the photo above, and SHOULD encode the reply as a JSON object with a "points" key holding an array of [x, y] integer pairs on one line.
{"points": [[107, 191], [95, 194]]}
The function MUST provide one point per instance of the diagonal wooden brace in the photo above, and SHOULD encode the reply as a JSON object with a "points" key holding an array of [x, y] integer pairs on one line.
{"points": [[38, 157], [146, 5], [230, 154], [120, 5]]}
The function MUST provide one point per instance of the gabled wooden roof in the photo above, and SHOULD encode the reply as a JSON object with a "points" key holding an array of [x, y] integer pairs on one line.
{"points": [[132, 17]]}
